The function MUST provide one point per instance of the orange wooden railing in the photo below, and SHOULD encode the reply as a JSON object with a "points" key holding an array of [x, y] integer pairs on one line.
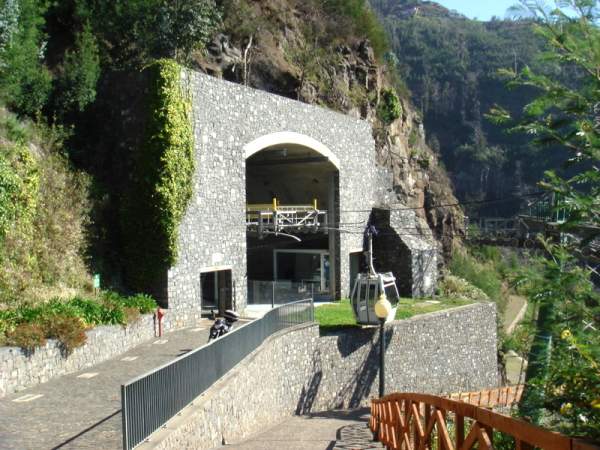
{"points": [[491, 398], [415, 421]]}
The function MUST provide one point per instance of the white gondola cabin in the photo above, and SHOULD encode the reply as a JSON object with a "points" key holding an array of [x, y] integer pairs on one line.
{"points": [[367, 290], [368, 287]]}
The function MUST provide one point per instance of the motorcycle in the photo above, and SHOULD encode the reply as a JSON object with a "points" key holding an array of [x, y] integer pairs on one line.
{"points": [[223, 325]]}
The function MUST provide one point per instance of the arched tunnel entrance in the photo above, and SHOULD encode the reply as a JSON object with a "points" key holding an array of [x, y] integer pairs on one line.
{"points": [[292, 201]]}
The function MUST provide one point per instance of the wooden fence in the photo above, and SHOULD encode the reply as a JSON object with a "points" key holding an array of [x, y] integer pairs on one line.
{"points": [[491, 398], [423, 422]]}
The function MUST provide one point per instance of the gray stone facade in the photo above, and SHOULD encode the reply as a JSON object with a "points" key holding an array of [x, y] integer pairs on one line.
{"points": [[401, 248], [19, 370], [228, 117], [297, 372]]}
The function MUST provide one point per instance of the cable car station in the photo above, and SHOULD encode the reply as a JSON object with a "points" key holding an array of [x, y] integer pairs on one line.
{"points": [[283, 194]]}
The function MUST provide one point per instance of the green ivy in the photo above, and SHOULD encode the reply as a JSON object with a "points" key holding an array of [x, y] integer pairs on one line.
{"points": [[389, 108], [163, 180], [19, 183]]}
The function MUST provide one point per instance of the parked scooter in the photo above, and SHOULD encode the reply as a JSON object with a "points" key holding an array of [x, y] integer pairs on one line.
{"points": [[224, 325]]}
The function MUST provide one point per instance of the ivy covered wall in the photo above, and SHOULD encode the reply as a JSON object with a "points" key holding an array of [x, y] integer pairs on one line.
{"points": [[161, 184]]}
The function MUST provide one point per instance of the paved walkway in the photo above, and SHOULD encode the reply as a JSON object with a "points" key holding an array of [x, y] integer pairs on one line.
{"points": [[336, 430], [83, 410]]}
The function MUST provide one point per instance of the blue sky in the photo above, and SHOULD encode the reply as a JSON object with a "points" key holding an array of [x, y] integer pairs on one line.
{"points": [[482, 9]]}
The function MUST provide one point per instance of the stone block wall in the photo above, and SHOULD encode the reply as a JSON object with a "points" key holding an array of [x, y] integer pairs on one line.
{"points": [[19, 370], [443, 352], [226, 118], [409, 253], [297, 372]]}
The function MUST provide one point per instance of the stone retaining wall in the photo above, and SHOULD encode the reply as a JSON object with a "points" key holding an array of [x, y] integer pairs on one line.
{"points": [[18, 370], [296, 372]]}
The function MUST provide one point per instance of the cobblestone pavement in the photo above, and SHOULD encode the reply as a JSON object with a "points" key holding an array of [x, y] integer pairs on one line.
{"points": [[335, 430], [82, 410]]}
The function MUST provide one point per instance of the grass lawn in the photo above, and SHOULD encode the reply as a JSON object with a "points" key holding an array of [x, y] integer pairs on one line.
{"points": [[408, 307], [339, 315]]}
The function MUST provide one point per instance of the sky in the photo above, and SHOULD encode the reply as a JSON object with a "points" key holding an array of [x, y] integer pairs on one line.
{"points": [[482, 9]]}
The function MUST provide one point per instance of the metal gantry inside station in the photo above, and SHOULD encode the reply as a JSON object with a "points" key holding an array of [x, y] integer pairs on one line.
{"points": [[290, 210]]}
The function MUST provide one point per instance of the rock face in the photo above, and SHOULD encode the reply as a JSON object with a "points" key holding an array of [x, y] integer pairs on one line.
{"points": [[352, 83]]}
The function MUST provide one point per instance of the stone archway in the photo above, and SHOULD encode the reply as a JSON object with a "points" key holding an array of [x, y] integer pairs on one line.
{"points": [[290, 138], [298, 170]]}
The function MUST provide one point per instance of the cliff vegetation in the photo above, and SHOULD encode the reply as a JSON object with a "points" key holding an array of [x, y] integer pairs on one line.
{"points": [[72, 70]]}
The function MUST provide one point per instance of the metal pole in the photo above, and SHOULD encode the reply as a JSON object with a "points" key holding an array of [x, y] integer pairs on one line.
{"points": [[124, 425], [371, 266], [273, 296], [381, 357]]}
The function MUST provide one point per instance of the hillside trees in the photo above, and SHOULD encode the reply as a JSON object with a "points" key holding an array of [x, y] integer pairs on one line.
{"points": [[135, 32], [63, 46], [80, 73], [25, 82], [55, 56], [563, 376], [450, 65]]}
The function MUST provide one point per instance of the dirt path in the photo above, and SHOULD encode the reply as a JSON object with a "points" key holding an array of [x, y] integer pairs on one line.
{"points": [[515, 311]]}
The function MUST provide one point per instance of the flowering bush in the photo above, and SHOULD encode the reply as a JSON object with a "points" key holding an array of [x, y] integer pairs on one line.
{"points": [[572, 392]]}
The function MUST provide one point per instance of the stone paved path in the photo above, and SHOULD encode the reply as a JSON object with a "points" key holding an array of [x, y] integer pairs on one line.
{"points": [[82, 410], [335, 430]]}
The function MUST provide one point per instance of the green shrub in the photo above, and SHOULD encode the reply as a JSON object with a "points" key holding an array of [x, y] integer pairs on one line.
{"points": [[131, 315], [28, 336], [19, 184], [69, 331], [43, 215], [364, 20], [478, 274], [92, 312], [413, 138], [452, 286], [142, 302], [163, 180], [7, 324], [66, 320], [488, 253], [389, 108]]}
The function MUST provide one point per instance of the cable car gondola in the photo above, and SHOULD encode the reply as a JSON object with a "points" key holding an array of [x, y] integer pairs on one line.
{"points": [[368, 287]]}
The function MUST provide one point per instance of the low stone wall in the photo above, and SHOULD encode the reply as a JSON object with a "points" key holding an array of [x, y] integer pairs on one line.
{"points": [[19, 370], [296, 372], [443, 352]]}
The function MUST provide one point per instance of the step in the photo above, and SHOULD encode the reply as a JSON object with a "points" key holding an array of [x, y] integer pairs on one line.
{"points": [[356, 437]]}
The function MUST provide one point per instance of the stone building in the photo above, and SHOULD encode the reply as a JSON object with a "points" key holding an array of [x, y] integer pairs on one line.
{"points": [[254, 148]]}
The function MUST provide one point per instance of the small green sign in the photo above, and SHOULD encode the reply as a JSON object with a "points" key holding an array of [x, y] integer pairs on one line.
{"points": [[96, 281]]}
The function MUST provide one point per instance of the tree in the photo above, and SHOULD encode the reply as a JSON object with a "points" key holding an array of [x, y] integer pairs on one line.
{"points": [[566, 115], [183, 26], [25, 82], [81, 70], [564, 379], [9, 21], [136, 32]]}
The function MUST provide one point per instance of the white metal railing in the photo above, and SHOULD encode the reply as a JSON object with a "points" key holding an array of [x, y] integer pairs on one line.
{"points": [[274, 218]]}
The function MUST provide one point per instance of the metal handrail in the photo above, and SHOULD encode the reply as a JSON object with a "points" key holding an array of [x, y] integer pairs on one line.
{"points": [[150, 400]]}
